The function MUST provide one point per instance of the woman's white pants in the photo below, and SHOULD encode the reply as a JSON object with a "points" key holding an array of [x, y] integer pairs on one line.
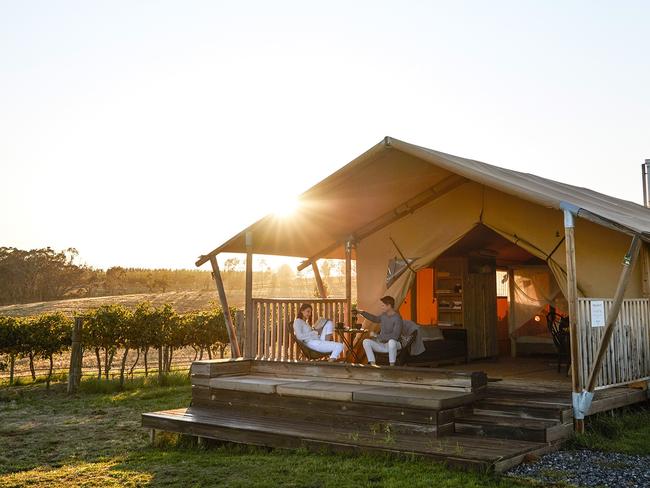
{"points": [[322, 345]]}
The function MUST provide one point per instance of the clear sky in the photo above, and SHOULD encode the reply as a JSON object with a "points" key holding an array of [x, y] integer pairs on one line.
{"points": [[146, 133]]}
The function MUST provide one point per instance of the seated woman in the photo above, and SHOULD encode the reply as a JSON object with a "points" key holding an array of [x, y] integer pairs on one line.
{"points": [[311, 338]]}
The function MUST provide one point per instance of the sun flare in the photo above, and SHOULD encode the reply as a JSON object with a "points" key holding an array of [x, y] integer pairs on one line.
{"points": [[285, 207]]}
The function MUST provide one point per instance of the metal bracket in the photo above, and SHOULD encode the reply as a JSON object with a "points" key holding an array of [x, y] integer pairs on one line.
{"points": [[570, 211], [581, 403]]}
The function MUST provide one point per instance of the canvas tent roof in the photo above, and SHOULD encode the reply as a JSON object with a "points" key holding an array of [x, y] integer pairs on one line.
{"points": [[392, 179]]}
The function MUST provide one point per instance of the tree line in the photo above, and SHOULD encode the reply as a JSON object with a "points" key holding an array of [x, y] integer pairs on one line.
{"points": [[39, 275], [112, 330]]}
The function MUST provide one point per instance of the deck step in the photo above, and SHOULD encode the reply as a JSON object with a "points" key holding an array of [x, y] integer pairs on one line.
{"points": [[456, 449], [508, 427], [490, 406]]}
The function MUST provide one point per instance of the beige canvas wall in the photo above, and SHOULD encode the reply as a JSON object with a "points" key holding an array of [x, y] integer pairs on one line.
{"points": [[434, 228]]}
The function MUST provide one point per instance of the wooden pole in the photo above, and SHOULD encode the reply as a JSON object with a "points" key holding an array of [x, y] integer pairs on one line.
{"points": [[240, 327], [348, 283], [511, 312], [251, 349], [319, 281], [74, 373], [612, 315], [572, 299], [232, 335]]}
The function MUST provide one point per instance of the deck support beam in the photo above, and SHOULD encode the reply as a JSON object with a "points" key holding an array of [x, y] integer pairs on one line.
{"points": [[319, 281], [612, 315], [235, 352], [251, 346], [572, 299]]}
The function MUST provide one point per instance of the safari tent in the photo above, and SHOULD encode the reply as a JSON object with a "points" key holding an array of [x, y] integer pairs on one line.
{"points": [[468, 250], [406, 213]]}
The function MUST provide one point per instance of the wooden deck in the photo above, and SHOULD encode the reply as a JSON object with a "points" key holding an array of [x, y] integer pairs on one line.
{"points": [[450, 416]]}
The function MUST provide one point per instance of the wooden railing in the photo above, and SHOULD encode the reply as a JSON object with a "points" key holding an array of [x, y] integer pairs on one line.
{"points": [[628, 356], [270, 338]]}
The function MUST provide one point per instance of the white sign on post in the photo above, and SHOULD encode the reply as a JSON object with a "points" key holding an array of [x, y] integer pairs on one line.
{"points": [[597, 313]]}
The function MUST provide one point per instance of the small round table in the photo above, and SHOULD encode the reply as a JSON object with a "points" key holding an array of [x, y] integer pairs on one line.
{"points": [[350, 338]]}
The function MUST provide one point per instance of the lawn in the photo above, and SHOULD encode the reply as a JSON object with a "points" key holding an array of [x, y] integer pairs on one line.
{"points": [[94, 438], [626, 431]]}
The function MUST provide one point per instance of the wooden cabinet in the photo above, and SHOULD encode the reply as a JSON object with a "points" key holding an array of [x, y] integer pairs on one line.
{"points": [[449, 275], [466, 297]]}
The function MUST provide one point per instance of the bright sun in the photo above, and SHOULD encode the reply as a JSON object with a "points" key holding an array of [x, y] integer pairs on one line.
{"points": [[285, 206]]}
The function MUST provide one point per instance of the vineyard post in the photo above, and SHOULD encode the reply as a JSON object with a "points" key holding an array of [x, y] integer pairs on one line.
{"points": [[12, 366], [76, 357]]}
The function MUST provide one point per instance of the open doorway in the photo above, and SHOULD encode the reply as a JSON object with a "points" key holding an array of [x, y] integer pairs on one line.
{"points": [[496, 292]]}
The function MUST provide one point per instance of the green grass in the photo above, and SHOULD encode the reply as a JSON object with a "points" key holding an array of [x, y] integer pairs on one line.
{"points": [[626, 431], [94, 438]]}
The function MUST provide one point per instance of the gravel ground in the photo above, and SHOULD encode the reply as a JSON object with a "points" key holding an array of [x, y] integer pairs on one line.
{"points": [[591, 469]]}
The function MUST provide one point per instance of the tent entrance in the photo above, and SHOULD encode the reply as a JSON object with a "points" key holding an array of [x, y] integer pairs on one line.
{"points": [[496, 291]]}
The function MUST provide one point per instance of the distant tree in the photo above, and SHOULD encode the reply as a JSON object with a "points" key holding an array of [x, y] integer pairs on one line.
{"points": [[39, 274], [286, 275], [114, 281], [231, 265]]}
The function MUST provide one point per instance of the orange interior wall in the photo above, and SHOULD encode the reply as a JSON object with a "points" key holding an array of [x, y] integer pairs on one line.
{"points": [[427, 307], [405, 309], [427, 310], [503, 337]]}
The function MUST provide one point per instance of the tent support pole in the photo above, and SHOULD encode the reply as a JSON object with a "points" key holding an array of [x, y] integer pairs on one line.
{"points": [[251, 349], [319, 281], [348, 283], [511, 312], [216, 274], [572, 299], [612, 315]]}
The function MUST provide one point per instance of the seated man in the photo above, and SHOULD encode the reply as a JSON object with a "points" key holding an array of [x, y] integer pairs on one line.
{"points": [[311, 338], [388, 339]]}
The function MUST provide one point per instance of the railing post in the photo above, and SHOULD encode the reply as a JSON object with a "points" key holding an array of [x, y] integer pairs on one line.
{"points": [[240, 328]]}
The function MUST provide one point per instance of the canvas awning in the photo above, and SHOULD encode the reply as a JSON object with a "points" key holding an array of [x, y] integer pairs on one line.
{"points": [[393, 179]]}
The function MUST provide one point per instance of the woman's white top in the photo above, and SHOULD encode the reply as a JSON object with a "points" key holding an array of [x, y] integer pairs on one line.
{"points": [[303, 331]]}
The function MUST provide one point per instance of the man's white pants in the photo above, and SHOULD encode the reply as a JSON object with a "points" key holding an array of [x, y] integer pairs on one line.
{"points": [[323, 345], [371, 347]]}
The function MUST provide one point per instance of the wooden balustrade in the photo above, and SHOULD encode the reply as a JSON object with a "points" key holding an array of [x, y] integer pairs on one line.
{"points": [[628, 357], [271, 318]]}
